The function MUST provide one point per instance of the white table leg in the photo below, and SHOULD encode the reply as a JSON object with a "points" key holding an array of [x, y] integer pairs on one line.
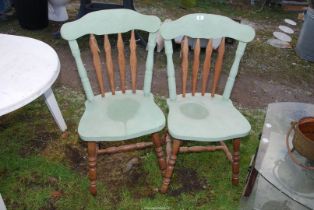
{"points": [[2, 206], [54, 109]]}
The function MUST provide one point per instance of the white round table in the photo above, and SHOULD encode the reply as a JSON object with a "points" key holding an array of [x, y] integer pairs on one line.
{"points": [[28, 68]]}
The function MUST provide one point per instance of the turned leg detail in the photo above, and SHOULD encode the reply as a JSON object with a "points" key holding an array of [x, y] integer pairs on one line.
{"points": [[92, 162], [159, 152], [236, 162], [170, 166]]}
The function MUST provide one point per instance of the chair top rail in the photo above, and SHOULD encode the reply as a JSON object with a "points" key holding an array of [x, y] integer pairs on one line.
{"points": [[207, 26], [109, 22]]}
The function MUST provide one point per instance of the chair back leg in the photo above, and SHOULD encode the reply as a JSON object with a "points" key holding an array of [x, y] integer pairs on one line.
{"points": [[92, 163], [159, 153], [170, 167], [236, 162]]}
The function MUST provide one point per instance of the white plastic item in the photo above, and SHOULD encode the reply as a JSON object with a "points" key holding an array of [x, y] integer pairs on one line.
{"points": [[286, 29], [57, 10], [290, 22], [282, 36]]}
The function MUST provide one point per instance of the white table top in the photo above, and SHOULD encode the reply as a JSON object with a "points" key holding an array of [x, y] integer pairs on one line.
{"points": [[28, 68]]}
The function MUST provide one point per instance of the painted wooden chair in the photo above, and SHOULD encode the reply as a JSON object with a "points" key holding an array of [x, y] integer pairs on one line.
{"points": [[204, 116], [116, 115]]}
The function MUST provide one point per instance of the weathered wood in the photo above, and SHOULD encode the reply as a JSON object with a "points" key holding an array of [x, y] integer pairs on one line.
{"points": [[92, 162], [133, 61], [218, 66], [110, 70], [196, 63], [159, 152], [226, 150], [168, 147], [236, 162], [184, 63], [97, 64], [170, 167], [125, 148], [201, 148], [121, 62], [206, 66]]}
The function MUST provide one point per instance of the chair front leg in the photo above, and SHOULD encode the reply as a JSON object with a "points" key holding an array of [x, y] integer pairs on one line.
{"points": [[159, 152], [236, 162], [92, 163], [170, 167]]}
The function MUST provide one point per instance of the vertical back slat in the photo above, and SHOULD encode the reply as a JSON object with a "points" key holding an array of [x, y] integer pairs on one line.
{"points": [[133, 61], [206, 66], [218, 66], [121, 62], [196, 63], [110, 70], [184, 63], [96, 61]]}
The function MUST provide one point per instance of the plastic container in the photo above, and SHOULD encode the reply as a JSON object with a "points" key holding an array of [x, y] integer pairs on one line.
{"points": [[32, 14], [305, 45]]}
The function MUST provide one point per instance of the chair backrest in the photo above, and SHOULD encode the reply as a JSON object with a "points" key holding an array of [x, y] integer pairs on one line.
{"points": [[106, 22], [204, 26]]}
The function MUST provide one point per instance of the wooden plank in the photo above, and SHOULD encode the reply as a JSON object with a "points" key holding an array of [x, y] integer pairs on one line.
{"points": [[196, 64], [206, 66], [133, 61], [97, 64], [121, 62], [218, 66], [184, 63], [110, 70]]}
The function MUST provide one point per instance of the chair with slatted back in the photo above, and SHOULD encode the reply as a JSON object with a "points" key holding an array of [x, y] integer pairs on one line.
{"points": [[204, 116], [116, 115]]}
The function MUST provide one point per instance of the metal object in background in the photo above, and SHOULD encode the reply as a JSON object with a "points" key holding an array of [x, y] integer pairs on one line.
{"points": [[305, 45]]}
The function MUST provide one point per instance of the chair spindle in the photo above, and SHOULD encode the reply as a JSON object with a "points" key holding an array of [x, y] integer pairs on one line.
{"points": [[196, 63], [110, 70], [184, 63], [97, 64], [218, 66], [133, 61], [206, 66], [121, 62]]}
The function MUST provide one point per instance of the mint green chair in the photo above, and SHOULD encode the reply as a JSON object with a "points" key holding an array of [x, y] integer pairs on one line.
{"points": [[204, 116], [116, 115]]}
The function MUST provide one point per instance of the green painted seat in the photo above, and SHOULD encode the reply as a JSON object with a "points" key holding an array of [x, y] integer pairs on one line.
{"points": [[205, 118], [123, 114], [204, 115], [120, 117]]}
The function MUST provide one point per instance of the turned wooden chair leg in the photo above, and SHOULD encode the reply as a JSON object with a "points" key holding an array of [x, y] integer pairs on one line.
{"points": [[236, 162], [92, 162], [170, 166], [159, 152]]}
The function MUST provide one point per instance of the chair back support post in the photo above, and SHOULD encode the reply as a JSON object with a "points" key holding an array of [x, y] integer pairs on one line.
{"points": [[149, 63], [81, 69], [234, 70], [170, 70]]}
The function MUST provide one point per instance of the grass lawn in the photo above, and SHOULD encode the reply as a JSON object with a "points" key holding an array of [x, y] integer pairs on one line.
{"points": [[37, 172]]}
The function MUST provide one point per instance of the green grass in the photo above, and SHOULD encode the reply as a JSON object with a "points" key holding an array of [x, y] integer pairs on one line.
{"points": [[34, 164]]}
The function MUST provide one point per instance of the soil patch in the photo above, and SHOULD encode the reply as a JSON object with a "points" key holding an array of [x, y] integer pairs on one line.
{"points": [[189, 181]]}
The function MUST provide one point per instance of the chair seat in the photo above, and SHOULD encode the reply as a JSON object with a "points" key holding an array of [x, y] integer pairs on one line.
{"points": [[205, 118], [120, 117]]}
